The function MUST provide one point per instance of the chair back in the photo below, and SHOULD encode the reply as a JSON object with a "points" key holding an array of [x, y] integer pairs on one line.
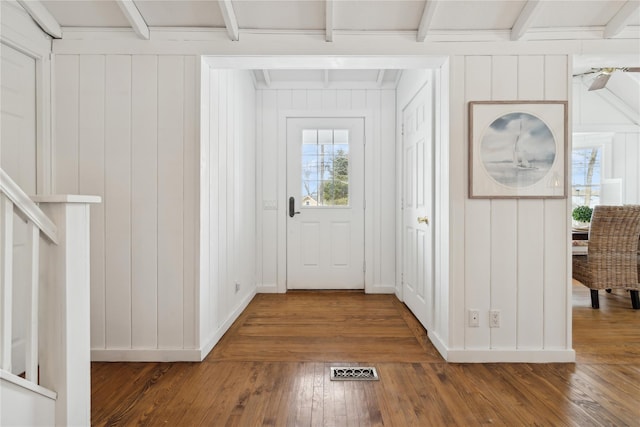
{"points": [[613, 242]]}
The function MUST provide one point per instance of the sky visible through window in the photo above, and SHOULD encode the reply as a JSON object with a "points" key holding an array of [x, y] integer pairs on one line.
{"points": [[586, 176]]}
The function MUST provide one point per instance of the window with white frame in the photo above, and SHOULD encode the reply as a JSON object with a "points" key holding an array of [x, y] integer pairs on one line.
{"points": [[587, 168]]}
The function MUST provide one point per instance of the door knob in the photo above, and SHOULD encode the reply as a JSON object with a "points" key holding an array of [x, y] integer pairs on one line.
{"points": [[292, 207], [423, 219]]}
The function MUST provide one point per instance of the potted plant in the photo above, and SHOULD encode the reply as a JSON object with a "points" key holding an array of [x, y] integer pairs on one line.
{"points": [[581, 216]]}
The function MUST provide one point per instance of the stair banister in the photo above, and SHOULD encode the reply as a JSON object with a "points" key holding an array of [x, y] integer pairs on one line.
{"points": [[26, 207], [64, 366]]}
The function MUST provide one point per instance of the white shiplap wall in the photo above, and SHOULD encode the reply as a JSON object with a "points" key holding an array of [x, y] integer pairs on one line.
{"points": [[380, 188], [125, 128], [594, 112], [626, 165], [510, 255], [227, 209]]}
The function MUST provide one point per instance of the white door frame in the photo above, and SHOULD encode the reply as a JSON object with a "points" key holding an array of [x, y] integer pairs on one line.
{"points": [[441, 207], [367, 116], [37, 45]]}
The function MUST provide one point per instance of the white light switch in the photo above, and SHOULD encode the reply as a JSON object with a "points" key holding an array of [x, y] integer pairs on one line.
{"points": [[269, 205]]}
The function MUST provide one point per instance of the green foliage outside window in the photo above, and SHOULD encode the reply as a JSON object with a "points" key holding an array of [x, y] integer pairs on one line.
{"points": [[336, 190]]}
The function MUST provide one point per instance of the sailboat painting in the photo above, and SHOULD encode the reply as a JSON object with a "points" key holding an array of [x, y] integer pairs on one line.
{"points": [[517, 149]]}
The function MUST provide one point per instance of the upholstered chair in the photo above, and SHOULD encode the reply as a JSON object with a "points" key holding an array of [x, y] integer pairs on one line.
{"points": [[612, 253]]}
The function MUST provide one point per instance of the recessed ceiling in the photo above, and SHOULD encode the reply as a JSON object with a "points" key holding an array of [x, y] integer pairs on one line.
{"points": [[341, 78]]}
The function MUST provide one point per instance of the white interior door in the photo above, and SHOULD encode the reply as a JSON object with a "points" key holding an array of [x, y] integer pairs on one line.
{"points": [[325, 191], [418, 206], [18, 159]]}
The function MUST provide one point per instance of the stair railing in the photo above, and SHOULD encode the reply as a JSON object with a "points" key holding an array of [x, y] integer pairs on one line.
{"points": [[58, 361], [14, 200]]}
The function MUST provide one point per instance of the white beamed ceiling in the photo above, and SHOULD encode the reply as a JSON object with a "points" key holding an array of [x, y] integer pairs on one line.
{"points": [[349, 15], [463, 19]]}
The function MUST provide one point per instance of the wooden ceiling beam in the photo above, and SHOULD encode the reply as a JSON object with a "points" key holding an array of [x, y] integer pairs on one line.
{"points": [[328, 20], [230, 20], [427, 17], [137, 22], [525, 20], [43, 18], [621, 19]]}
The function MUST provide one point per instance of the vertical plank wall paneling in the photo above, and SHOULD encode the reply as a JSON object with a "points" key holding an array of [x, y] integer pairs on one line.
{"points": [[144, 203], [190, 188], [626, 158], [477, 219], [515, 251], [556, 297], [125, 129], [215, 110], [268, 186], [381, 104], [170, 203], [117, 198], [458, 173], [92, 180], [65, 151], [229, 116]]}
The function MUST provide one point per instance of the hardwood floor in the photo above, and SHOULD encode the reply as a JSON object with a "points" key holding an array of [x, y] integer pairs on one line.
{"points": [[271, 369]]}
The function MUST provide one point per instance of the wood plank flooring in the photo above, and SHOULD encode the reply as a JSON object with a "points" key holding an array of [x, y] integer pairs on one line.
{"points": [[271, 369]]}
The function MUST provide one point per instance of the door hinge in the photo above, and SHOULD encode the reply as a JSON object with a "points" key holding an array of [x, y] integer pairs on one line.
{"points": [[364, 204], [402, 130], [364, 266]]}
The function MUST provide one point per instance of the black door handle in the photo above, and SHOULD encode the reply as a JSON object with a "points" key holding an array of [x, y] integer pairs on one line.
{"points": [[292, 207]]}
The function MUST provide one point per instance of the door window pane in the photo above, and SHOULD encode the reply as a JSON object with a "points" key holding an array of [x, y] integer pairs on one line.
{"points": [[325, 167]]}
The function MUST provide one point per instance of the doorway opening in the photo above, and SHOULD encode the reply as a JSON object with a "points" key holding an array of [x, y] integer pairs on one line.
{"points": [[248, 112]]}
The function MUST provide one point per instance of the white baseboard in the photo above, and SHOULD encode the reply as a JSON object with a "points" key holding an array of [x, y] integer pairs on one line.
{"points": [[502, 356], [380, 289], [170, 355], [267, 288], [511, 356], [213, 340], [145, 355], [438, 344]]}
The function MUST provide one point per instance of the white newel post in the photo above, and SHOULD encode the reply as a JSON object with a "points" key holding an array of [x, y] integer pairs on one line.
{"points": [[65, 362]]}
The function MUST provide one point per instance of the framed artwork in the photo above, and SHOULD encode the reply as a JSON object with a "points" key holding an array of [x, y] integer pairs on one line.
{"points": [[518, 149]]}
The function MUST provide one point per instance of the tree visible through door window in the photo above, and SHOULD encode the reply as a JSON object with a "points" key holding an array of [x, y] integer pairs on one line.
{"points": [[325, 167], [587, 176]]}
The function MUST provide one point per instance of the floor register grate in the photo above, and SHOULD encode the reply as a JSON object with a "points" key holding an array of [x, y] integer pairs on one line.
{"points": [[354, 373]]}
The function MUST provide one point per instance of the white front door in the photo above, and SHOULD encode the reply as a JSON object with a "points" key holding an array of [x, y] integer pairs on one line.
{"points": [[418, 206], [325, 192]]}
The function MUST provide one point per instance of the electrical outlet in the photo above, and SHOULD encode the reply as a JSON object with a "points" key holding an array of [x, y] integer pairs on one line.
{"points": [[494, 318], [237, 287], [474, 318]]}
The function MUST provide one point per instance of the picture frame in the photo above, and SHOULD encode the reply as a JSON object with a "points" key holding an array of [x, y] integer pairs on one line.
{"points": [[518, 149]]}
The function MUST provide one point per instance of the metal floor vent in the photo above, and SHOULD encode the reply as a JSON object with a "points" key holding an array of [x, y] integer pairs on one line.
{"points": [[354, 373]]}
